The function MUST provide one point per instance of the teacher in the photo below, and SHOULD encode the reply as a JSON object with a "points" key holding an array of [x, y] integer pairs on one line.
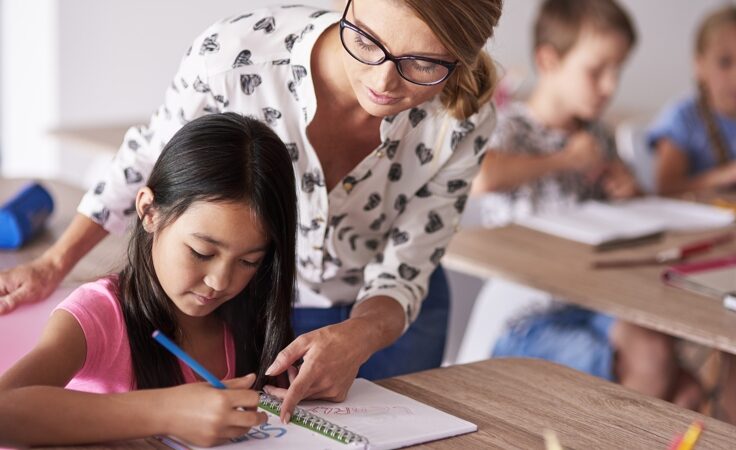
{"points": [[386, 112]]}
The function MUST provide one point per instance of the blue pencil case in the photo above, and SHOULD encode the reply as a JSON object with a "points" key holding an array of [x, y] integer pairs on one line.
{"points": [[24, 215]]}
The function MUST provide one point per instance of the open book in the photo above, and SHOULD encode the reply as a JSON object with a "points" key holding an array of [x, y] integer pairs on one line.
{"points": [[604, 225], [379, 417]]}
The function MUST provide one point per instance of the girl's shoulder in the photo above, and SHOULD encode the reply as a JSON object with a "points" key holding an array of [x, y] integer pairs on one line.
{"points": [[95, 303], [680, 110], [263, 36]]}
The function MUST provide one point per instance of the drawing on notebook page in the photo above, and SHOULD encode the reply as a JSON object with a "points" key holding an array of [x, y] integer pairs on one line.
{"points": [[383, 418]]}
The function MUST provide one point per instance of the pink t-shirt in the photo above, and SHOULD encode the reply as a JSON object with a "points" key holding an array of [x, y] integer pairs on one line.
{"points": [[108, 366]]}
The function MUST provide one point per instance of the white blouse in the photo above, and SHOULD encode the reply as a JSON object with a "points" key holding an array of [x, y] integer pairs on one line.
{"points": [[383, 229]]}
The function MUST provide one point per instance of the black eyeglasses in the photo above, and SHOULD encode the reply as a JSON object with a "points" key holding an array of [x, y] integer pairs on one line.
{"points": [[366, 49]]}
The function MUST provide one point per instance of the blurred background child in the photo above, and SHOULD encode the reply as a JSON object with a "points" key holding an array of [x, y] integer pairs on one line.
{"points": [[694, 138], [552, 152], [694, 141]]}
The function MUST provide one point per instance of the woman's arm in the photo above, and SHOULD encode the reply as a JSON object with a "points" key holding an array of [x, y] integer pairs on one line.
{"points": [[37, 279], [672, 172], [35, 409]]}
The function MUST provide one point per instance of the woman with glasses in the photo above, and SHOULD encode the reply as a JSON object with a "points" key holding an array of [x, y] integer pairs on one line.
{"points": [[385, 111]]}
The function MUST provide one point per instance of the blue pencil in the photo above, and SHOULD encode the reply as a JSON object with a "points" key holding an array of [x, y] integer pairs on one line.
{"points": [[188, 360]]}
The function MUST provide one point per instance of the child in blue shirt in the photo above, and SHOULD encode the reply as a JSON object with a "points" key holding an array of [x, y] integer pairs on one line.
{"points": [[695, 139], [552, 151]]}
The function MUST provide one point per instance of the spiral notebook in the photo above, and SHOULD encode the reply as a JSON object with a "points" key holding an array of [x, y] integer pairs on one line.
{"points": [[372, 417]]}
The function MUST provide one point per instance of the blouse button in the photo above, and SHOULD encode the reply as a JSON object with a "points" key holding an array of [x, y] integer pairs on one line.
{"points": [[379, 153], [347, 186]]}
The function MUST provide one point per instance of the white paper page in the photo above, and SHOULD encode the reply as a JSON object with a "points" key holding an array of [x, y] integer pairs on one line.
{"points": [[680, 215], [275, 435], [387, 419], [594, 223]]}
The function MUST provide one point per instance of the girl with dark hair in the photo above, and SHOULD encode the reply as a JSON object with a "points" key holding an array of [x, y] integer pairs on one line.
{"points": [[211, 263]]}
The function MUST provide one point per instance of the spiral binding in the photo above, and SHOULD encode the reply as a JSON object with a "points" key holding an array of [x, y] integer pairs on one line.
{"points": [[312, 421]]}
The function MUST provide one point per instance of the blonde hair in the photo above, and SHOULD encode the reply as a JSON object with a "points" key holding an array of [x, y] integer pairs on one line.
{"points": [[464, 27], [712, 23], [560, 22]]}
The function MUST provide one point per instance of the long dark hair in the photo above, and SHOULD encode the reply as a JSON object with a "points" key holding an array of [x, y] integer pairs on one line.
{"points": [[218, 157]]}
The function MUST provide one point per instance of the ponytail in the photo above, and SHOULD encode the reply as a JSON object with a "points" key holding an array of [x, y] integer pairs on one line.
{"points": [[464, 27], [470, 88]]}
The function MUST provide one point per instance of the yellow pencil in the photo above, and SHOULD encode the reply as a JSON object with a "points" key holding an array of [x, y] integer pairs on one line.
{"points": [[550, 441], [691, 436]]}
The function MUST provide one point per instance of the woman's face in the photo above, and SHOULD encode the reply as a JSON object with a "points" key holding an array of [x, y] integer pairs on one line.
{"points": [[380, 90], [716, 69]]}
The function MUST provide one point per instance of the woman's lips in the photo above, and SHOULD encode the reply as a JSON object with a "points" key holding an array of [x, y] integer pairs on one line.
{"points": [[381, 99]]}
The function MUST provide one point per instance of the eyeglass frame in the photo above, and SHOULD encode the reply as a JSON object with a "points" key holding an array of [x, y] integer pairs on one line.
{"points": [[387, 56]]}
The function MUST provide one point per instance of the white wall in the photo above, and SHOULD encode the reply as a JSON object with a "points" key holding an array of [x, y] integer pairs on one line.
{"points": [[72, 63], [77, 63], [658, 69], [29, 86], [119, 56]]}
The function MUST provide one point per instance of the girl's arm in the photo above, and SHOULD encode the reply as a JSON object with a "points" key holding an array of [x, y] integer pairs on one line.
{"points": [[35, 409], [672, 172]]}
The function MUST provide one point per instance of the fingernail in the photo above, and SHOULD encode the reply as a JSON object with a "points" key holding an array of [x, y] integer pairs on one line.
{"points": [[270, 369], [267, 389], [286, 418]]}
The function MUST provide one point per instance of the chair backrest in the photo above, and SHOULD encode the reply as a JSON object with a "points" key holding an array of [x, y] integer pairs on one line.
{"points": [[634, 151]]}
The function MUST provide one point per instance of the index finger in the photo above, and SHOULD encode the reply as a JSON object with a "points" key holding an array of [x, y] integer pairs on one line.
{"points": [[297, 391], [10, 301], [287, 357]]}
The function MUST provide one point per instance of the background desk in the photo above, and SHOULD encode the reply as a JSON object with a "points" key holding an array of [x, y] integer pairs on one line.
{"points": [[563, 268], [514, 400], [23, 326]]}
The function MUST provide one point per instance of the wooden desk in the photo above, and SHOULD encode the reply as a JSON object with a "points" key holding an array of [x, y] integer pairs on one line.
{"points": [[563, 268], [24, 325], [514, 400]]}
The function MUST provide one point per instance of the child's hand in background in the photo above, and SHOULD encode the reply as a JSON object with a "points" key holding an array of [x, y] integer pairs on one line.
{"points": [[200, 414], [618, 182], [582, 153]]}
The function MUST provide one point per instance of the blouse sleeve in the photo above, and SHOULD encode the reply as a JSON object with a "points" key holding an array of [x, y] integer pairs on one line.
{"points": [[402, 271], [110, 202]]}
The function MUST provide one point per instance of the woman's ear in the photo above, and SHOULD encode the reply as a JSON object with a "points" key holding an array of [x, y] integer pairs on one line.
{"points": [[144, 208]]}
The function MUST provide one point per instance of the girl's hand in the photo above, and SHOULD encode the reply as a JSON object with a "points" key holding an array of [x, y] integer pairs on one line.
{"points": [[332, 356], [28, 283], [202, 415]]}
